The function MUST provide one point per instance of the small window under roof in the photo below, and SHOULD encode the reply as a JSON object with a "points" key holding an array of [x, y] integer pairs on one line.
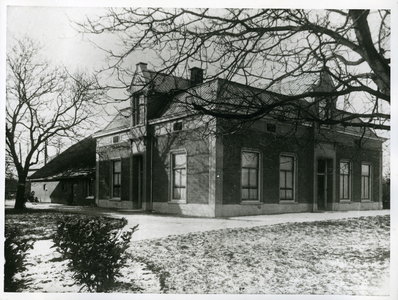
{"points": [[177, 126]]}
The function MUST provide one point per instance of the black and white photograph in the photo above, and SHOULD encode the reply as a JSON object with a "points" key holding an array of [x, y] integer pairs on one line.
{"points": [[206, 149]]}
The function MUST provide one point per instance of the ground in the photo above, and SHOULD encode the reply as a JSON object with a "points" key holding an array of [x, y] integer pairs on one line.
{"points": [[349, 256]]}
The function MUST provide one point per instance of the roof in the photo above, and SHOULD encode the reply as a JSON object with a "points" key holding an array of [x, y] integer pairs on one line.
{"points": [[354, 129], [163, 83], [176, 98], [77, 161], [298, 85], [235, 98], [223, 96], [120, 122], [158, 82]]}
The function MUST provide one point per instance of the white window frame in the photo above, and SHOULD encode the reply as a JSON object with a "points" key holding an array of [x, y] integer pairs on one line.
{"points": [[172, 154], [369, 183], [344, 161], [258, 199], [294, 177], [113, 179], [137, 117]]}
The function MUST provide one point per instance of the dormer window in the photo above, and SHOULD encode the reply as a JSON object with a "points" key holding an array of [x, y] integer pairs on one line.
{"points": [[136, 107], [324, 112]]}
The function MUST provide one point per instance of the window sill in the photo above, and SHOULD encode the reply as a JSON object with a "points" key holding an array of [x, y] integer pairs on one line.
{"points": [[366, 200], [345, 201], [251, 202], [115, 199], [288, 202], [89, 197], [177, 202]]}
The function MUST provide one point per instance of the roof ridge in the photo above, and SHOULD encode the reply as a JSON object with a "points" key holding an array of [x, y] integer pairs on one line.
{"points": [[168, 75]]}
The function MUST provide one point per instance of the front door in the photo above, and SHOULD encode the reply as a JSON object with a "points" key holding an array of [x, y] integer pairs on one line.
{"points": [[137, 181], [322, 184]]}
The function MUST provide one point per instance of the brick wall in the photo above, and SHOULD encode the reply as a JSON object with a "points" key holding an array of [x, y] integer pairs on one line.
{"points": [[106, 155], [357, 155], [197, 150], [270, 146]]}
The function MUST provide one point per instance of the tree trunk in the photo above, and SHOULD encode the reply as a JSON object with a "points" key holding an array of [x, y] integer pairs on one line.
{"points": [[20, 198]]}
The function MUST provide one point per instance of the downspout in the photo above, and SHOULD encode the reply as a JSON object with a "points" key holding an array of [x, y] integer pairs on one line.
{"points": [[97, 179], [314, 171], [151, 174], [380, 206]]}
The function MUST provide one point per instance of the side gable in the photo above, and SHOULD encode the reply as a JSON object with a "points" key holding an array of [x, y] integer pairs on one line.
{"points": [[120, 122]]}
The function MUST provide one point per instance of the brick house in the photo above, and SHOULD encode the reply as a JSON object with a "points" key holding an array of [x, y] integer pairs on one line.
{"points": [[162, 155]]}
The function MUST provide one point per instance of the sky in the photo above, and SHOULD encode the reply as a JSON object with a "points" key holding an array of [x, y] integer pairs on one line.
{"points": [[54, 28]]}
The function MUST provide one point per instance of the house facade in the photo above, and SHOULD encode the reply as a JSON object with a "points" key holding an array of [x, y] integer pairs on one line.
{"points": [[160, 154]]}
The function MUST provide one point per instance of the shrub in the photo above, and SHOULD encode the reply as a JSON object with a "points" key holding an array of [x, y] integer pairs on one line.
{"points": [[15, 249], [95, 248]]}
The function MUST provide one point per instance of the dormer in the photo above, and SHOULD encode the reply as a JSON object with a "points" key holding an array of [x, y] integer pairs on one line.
{"points": [[141, 78], [326, 106]]}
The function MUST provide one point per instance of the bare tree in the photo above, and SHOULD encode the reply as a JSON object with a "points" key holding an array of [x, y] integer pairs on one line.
{"points": [[9, 167], [266, 48], [43, 103]]}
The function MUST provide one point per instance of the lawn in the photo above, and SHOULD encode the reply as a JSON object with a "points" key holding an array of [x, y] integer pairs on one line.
{"points": [[340, 257]]}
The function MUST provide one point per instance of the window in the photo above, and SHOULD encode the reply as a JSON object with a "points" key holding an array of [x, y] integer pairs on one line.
{"points": [[136, 103], [271, 127], [324, 112], [365, 181], [345, 180], [179, 176], [44, 187], [250, 175], [115, 139], [177, 126], [116, 176], [286, 177]]}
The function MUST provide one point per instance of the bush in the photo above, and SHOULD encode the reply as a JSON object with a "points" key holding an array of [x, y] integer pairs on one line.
{"points": [[95, 248], [15, 250]]}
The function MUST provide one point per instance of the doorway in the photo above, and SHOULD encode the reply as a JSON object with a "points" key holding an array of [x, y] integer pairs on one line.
{"points": [[322, 184], [138, 176]]}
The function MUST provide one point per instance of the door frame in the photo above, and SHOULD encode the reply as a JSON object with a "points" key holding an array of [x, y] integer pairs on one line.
{"points": [[137, 180]]}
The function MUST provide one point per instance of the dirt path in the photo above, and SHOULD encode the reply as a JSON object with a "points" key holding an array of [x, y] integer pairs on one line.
{"points": [[156, 225]]}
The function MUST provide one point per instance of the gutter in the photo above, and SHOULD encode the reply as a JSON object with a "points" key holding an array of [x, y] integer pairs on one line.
{"points": [[102, 134], [360, 135]]}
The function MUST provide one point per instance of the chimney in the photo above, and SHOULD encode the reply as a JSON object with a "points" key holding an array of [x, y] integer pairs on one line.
{"points": [[196, 76], [141, 66]]}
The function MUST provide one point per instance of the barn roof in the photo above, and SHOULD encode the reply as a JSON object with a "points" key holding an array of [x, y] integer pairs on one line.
{"points": [[77, 161]]}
